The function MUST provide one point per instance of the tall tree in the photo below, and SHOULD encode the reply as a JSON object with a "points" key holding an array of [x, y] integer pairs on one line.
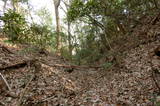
{"points": [[67, 5], [58, 29]]}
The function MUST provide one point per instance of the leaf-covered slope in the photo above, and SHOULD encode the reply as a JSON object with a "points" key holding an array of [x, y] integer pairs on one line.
{"points": [[132, 83]]}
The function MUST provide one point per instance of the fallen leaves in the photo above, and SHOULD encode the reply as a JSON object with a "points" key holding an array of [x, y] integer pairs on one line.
{"points": [[130, 85]]}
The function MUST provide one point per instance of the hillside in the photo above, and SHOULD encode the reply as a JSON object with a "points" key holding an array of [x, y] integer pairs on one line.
{"points": [[45, 79]]}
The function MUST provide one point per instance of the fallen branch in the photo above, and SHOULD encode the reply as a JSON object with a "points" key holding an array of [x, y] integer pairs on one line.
{"points": [[17, 65], [26, 62], [5, 81], [67, 66], [75, 66], [13, 66], [71, 66], [6, 49], [8, 93]]}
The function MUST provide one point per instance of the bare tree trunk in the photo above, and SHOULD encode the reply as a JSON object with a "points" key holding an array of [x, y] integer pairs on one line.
{"points": [[58, 38], [67, 4], [29, 12], [4, 6], [69, 40], [15, 5], [155, 4]]}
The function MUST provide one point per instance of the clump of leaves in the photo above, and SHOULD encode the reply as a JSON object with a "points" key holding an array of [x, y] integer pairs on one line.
{"points": [[41, 35], [15, 26], [18, 31], [86, 56], [65, 53]]}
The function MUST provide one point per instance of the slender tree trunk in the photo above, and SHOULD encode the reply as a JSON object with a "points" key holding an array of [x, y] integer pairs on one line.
{"points": [[4, 6], [155, 4], [69, 40], [58, 29], [58, 37], [29, 12], [15, 5], [67, 4]]}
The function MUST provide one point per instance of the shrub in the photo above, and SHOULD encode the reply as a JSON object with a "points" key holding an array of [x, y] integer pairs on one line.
{"points": [[15, 26], [18, 30], [41, 35]]}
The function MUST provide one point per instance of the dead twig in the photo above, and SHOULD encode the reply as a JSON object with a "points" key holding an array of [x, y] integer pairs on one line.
{"points": [[6, 49], [24, 91], [12, 94], [5, 81], [46, 99]]}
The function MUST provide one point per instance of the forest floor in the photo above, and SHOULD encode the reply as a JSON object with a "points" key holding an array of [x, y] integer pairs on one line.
{"points": [[43, 79]]}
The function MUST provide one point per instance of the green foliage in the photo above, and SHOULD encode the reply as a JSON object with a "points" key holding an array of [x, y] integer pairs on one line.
{"points": [[45, 17], [86, 56], [17, 30], [41, 35], [15, 26], [110, 18], [65, 53], [75, 10], [79, 9]]}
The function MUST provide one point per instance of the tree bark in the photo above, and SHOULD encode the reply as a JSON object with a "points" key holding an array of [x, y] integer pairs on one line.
{"points": [[69, 29], [69, 40], [58, 37], [4, 6], [155, 4], [29, 12], [15, 5]]}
